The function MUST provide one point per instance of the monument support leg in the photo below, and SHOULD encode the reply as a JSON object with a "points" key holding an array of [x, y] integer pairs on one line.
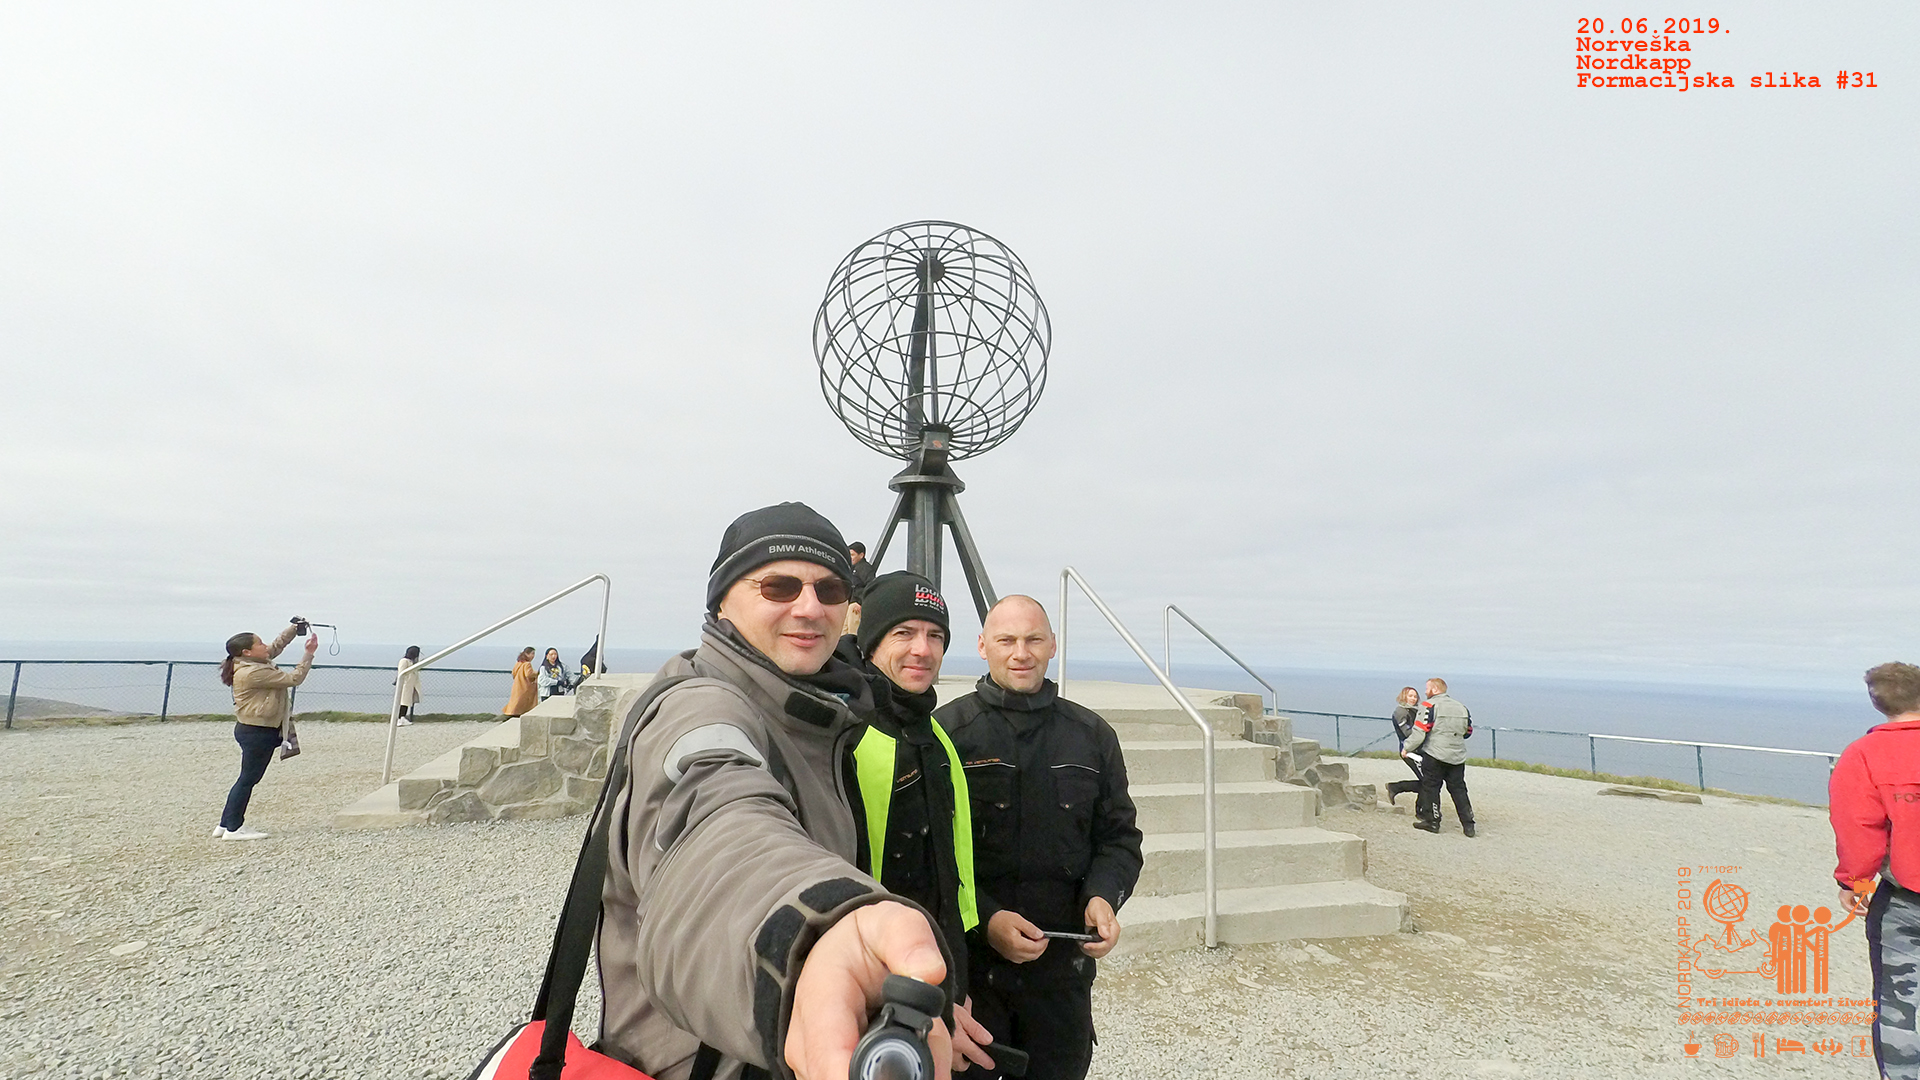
{"points": [[886, 534], [970, 561], [923, 532]]}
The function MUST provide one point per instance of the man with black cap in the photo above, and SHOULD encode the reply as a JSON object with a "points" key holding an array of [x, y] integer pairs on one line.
{"points": [[907, 788], [1056, 848], [863, 570], [737, 938]]}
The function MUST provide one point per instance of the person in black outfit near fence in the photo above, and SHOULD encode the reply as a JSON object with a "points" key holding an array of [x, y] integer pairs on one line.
{"points": [[1404, 714]]}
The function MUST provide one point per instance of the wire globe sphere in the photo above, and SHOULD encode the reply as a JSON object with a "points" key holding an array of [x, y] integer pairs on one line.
{"points": [[932, 324]]}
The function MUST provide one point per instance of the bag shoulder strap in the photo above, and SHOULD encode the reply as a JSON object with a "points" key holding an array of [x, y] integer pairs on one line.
{"points": [[580, 914]]}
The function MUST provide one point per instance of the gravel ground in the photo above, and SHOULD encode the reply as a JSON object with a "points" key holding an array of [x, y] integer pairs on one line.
{"points": [[1545, 948], [135, 945]]}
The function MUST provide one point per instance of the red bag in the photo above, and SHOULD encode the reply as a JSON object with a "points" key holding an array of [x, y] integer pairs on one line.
{"points": [[514, 1056]]}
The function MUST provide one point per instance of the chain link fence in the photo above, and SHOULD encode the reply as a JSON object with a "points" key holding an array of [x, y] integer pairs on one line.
{"points": [[108, 690]]}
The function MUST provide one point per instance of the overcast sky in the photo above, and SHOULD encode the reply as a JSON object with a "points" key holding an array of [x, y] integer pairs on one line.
{"points": [[1377, 341]]}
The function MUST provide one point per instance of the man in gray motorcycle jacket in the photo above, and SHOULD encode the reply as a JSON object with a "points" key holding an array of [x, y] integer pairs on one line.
{"points": [[733, 914]]}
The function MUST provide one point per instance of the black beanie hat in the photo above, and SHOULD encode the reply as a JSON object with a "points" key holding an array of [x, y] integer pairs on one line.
{"points": [[893, 599], [788, 530]]}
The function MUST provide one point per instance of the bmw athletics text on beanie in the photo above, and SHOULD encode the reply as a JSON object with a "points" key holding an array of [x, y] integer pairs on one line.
{"points": [[893, 599], [788, 530]]}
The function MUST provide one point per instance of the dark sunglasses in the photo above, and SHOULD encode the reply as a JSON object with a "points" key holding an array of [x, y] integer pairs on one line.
{"points": [[785, 589]]}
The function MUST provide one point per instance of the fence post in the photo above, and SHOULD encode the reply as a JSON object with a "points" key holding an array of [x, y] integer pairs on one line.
{"points": [[1593, 765], [166, 696], [1700, 764], [1496, 744], [13, 694], [1336, 733]]}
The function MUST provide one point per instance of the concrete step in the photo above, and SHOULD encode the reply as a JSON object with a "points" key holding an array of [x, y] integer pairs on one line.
{"points": [[1321, 909], [407, 800], [1257, 804], [414, 790], [1177, 862], [1173, 762], [1305, 753], [379, 809], [1325, 770], [1181, 731], [1226, 719]]}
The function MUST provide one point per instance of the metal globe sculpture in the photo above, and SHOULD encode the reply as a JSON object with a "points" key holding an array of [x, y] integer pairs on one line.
{"points": [[932, 324], [932, 345]]}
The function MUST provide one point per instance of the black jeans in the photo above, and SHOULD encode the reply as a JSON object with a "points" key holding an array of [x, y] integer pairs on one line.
{"points": [[1052, 1022], [257, 745], [1438, 772]]}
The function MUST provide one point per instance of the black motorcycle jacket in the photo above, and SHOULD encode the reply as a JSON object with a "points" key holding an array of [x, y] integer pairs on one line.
{"points": [[1053, 823]]}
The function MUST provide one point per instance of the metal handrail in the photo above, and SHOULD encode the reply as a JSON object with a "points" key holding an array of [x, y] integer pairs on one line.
{"points": [[600, 656], [1166, 631], [1206, 729]]}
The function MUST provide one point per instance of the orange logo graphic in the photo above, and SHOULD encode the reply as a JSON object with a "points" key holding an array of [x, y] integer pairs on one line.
{"points": [[1795, 937], [1725, 1046]]}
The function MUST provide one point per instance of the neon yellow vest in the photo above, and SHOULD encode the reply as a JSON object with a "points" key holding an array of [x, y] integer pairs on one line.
{"points": [[874, 762]]}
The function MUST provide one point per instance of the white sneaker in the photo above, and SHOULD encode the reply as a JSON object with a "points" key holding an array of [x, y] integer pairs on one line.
{"points": [[242, 833], [219, 831], [403, 722]]}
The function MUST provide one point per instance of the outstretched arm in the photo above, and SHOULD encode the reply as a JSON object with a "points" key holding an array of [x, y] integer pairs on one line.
{"points": [[739, 899]]}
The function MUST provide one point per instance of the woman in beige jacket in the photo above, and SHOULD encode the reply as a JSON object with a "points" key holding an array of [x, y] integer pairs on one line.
{"points": [[525, 691], [262, 707]]}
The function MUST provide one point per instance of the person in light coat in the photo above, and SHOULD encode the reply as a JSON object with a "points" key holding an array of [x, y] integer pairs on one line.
{"points": [[409, 682], [263, 714]]}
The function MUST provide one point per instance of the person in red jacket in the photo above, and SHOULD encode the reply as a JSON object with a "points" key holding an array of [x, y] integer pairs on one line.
{"points": [[1874, 803]]}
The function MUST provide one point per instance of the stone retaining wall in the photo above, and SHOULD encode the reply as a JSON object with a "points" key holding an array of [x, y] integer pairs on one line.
{"points": [[556, 770]]}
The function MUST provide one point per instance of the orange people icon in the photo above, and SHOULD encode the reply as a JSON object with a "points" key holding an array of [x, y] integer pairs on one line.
{"points": [[1797, 933], [1787, 948]]}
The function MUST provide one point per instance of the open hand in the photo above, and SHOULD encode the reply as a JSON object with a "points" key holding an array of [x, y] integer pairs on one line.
{"points": [[969, 1039]]}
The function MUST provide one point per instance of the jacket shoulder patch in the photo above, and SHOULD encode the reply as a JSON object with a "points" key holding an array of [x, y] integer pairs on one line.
{"points": [[706, 739]]}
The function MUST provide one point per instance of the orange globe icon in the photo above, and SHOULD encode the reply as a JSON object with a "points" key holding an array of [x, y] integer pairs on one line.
{"points": [[1725, 903]]}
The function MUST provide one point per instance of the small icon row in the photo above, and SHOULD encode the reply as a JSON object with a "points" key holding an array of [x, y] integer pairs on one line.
{"points": [[1723, 1045]]}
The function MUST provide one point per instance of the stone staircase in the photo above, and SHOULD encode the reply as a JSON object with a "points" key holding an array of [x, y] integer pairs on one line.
{"points": [[547, 764], [1279, 875]]}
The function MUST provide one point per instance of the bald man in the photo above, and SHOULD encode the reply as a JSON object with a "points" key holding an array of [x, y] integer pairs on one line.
{"points": [[1055, 845]]}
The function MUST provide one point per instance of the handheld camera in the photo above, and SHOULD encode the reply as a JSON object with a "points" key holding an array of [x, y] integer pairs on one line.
{"points": [[302, 627], [895, 1045]]}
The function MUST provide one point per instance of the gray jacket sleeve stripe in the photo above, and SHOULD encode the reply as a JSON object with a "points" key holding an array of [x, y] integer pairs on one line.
{"points": [[723, 737]]}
